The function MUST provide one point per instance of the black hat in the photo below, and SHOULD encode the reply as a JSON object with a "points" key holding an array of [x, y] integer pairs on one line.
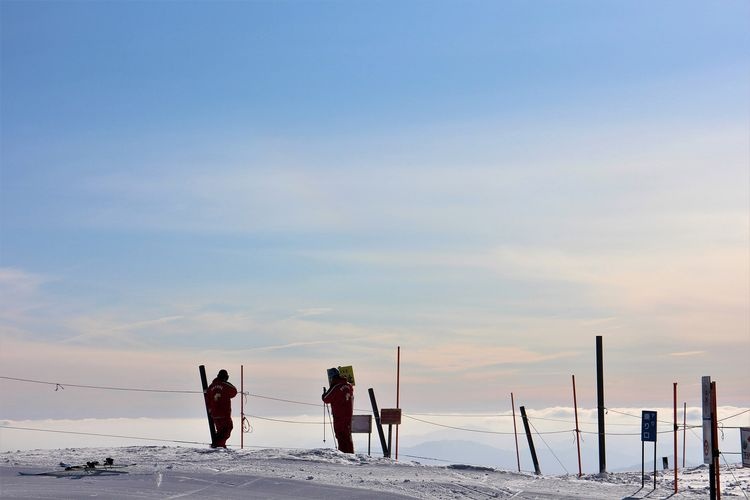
{"points": [[223, 375]]}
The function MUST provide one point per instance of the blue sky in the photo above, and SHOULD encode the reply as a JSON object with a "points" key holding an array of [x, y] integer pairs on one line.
{"points": [[296, 185]]}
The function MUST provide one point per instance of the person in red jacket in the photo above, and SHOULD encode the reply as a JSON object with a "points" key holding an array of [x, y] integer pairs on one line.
{"points": [[218, 398], [341, 398]]}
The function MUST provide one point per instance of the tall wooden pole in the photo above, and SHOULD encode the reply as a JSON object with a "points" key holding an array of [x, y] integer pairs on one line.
{"points": [[204, 383], [376, 412], [515, 431], [534, 459], [578, 431], [600, 404]]}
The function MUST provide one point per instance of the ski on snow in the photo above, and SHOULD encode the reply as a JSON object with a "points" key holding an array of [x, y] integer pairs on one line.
{"points": [[94, 468]]}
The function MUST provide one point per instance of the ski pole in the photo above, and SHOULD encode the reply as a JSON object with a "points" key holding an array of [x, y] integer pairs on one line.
{"points": [[330, 418]]}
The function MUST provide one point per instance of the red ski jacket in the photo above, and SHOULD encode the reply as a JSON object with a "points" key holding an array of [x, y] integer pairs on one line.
{"points": [[341, 398], [219, 398]]}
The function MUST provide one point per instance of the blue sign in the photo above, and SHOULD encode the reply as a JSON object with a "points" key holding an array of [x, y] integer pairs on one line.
{"points": [[648, 426]]}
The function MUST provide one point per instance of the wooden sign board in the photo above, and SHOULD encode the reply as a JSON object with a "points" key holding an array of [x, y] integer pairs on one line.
{"points": [[348, 373], [361, 424], [390, 416]]}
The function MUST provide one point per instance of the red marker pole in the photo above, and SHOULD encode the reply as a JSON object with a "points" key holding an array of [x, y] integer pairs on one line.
{"points": [[675, 437], [715, 440], [515, 430], [398, 389], [684, 431], [242, 407], [578, 431]]}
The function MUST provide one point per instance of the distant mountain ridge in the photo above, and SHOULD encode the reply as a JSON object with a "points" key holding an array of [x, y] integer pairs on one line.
{"points": [[455, 451], [460, 452]]}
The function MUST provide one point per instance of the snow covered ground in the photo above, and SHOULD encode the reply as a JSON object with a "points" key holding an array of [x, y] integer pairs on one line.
{"points": [[182, 472]]}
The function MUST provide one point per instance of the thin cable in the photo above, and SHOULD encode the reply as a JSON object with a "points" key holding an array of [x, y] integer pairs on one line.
{"points": [[63, 386], [454, 427], [247, 428], [670, 423], [283, 421], [59, 385], [548, 447], [429, 458], [729, 468], [466, 415], [102, 435], [471, 430], [582, 422], [496, 415], [283, 400], [736, 415]]}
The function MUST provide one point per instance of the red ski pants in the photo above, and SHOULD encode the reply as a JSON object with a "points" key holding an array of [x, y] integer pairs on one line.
{"points": [[224, 428]]}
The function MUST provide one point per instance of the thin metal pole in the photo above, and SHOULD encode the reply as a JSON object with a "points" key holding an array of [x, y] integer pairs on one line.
{"points": [[515, 431], [654, 465], [684, 431], [398, 390], [578, 431], [333, 431], [242, 409], [675, 437]]}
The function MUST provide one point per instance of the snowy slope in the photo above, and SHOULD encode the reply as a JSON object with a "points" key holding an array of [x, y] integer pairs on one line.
{"points": [[181, 472]]}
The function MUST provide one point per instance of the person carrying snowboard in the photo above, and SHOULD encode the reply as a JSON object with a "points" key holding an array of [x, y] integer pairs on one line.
{"points": [[341, 398], [219, 396]]}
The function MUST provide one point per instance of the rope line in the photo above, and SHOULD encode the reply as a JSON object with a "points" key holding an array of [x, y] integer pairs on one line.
{"points": [[283, 400], [469, 415], [80, 386], [666, 422], [102, 435], [729, 468], [283, 421], [548, 446], [412, 416], [472, 430]]}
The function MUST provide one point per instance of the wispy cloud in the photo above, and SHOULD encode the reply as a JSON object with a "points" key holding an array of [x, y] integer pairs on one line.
{"points": [[314, 311], [459, 357], [22, 301], [17, 281], [687, 354], [148, 323]]}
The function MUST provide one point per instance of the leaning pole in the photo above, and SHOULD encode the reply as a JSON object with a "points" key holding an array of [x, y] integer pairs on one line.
{"points": [[600, 404]]}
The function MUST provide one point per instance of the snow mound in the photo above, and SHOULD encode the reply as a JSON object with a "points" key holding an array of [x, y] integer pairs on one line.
{"points": [[315, 473]]}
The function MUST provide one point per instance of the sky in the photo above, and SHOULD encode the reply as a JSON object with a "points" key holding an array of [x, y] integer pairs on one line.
{"points": [[290, 186]]}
